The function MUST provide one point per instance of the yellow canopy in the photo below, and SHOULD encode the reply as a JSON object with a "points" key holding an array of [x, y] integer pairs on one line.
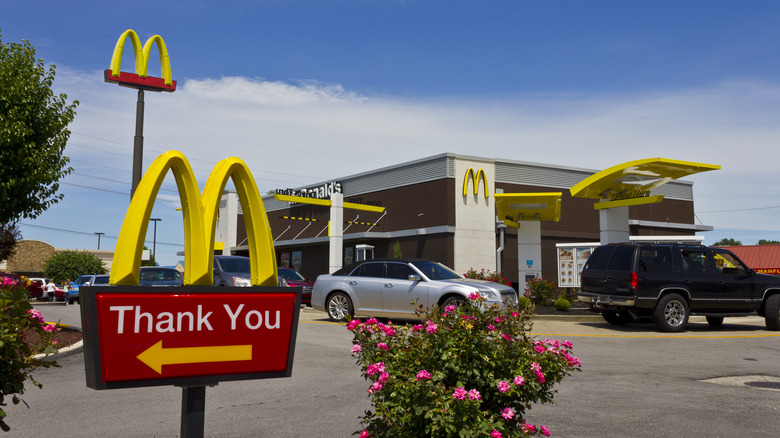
{"points": [[515, 207], [630, 183]]}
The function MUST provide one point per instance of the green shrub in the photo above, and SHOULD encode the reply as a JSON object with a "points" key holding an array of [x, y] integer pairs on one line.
{"points": [[469, 371], [524, 302], [562, 304], [541, 291], [17, 357]]}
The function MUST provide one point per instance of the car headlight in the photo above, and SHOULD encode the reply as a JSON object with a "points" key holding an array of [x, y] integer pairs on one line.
{"points": [[488, 294], [241, 282]]}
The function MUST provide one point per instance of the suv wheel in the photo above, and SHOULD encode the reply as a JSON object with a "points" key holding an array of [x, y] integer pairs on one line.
{"points": [[772, 315], [338, 306], [617, 317], [671, 313]]}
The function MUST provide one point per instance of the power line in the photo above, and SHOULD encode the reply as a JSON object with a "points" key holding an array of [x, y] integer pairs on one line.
{"points": [[740, 209], [84, 233]]}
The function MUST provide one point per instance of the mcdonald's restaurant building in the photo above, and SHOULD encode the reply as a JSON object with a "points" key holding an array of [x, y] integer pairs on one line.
{"points": [[443, 208]]}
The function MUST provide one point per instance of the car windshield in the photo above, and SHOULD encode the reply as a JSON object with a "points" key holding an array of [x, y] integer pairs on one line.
{"points": [[436, 271], [83, 279], [235, 265], [101, 279], [290, 274]]}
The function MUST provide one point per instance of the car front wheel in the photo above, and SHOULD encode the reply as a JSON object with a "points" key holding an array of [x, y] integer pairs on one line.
{"points": [[671, 313], [772, 315], [339, 306]]}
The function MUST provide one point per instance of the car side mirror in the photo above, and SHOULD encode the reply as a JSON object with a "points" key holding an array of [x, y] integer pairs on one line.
{"points": [[86, 284], [414, 277]]}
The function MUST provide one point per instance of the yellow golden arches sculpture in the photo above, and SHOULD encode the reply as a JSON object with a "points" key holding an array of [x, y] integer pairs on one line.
{"points": [[200, 215], [631, 183], [141, 54]]}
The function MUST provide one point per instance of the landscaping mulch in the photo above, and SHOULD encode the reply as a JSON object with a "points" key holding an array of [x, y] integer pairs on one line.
{"points": [[65, 337]]}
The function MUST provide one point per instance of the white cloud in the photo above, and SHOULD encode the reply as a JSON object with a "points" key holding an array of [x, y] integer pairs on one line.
{"points": [[299, 134]]}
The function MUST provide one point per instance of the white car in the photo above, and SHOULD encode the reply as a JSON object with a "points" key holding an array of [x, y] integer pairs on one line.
{"points": [[390, 287]]}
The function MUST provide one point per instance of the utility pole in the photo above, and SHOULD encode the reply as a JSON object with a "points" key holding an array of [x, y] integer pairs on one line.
{"points": [[154, 242], [99, 234]]}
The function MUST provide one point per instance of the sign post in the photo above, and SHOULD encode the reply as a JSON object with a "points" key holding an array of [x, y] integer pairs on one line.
{"points": [[188, 336]]}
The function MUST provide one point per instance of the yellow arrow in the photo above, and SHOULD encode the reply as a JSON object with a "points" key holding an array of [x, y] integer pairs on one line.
{"points": [[156, 356]]}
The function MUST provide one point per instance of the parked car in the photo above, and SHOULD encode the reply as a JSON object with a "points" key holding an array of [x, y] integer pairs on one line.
{"points": [[85, 280], [159, 276], [295, 279], [34, 287], [668, 282], [390, 287], [234, 271]]}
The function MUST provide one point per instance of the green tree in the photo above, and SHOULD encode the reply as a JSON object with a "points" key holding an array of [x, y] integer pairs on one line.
{"points": [[67, 265], [397, 250], [768, 242], [33, 134], [727, 241], [9, 235]]}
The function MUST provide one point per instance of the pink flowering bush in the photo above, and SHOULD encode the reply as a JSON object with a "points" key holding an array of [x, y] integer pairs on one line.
{"points": [[484, 274], [469, 371], [17, 357]]}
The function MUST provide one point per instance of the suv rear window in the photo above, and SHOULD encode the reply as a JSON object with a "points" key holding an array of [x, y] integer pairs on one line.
{"points": [[621, 258], [600, 257]]}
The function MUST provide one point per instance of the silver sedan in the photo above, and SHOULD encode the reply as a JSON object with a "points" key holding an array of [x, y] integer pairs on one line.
{"points": [[390, 287]]}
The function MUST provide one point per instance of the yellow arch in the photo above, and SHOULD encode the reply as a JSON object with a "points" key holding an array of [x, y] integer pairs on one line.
{"points": [[141, 54], [475, 176], [200, 216], [630, 183]]}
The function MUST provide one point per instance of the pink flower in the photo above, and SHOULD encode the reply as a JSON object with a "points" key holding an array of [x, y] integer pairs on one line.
{"points": [[528, 428], [474, 395], [545, 430], [459, 394], [491, 327], [508, 413], [519, 381], [506, 336], [382, 345], [353, 324], [364, 434], [356, 348], [375, 368], [423, 374], [36, 315], [450, 308], [539, 348], [567, 344], [535, 367], [432, 328], [389, 331], [495, 434], [503, 386], [50, 327], [515, 314], [417, 327], [473, 296]]}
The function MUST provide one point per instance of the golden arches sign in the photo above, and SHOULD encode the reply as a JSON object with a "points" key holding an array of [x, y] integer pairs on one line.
{"points": [[200, 217], [141, 54], [475, 178]]}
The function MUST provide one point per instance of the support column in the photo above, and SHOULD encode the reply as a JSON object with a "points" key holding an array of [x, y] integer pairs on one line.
{"points": [[336, 232], [613, 225], [529, 253]]}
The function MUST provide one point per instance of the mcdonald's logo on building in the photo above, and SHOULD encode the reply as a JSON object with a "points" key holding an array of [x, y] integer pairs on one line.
{"points": [[200, 217], [475, 178], [139, 79]]}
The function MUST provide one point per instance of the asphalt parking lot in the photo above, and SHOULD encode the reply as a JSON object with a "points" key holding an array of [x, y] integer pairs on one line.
{"points": [[634, 382]]}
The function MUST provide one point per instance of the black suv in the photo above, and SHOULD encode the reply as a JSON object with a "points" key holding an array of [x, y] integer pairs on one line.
{"points": [[668, 282]]}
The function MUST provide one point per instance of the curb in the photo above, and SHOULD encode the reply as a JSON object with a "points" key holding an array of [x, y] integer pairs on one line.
{"points": [[65, 352]]}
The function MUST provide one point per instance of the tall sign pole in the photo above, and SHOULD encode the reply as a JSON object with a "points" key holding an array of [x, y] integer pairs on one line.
{"points": [[141, 82]]}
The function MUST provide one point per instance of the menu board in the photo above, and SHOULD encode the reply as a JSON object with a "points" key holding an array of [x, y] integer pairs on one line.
{"points": [[566, 270], [571, 260]]}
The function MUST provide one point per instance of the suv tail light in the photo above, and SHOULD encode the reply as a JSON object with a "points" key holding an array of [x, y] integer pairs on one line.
{"points": [[634, 280]]}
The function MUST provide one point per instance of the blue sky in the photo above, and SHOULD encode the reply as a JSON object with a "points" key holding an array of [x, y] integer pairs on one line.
{"points": [[307, 91]]}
